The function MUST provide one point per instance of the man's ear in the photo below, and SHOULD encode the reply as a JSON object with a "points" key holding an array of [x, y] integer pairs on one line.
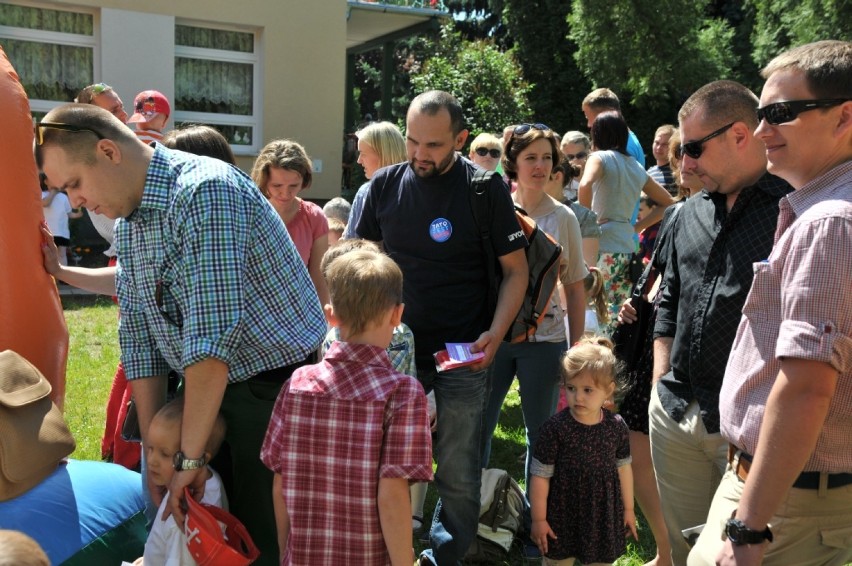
{"points": [[742, 133], [110, 150], [844, 121], [460, 139], [330, 317]]}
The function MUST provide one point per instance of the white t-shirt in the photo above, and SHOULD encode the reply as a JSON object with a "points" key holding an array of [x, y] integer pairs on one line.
{"points": [[560, 222], [166, 544], [56, 214]]}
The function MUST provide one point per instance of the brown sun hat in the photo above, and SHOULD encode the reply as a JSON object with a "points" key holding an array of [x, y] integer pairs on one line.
{"points": [[34, 438]]}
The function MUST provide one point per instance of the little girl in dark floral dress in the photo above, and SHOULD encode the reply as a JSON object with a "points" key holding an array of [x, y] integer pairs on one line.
{"points": [[582, 494]]}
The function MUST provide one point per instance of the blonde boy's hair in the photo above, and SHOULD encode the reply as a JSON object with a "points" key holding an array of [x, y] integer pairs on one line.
{"points": [[19, 549], [336, 226], [593, 355], [486, 140], [342, 247], [172, 412], [363, 286]]}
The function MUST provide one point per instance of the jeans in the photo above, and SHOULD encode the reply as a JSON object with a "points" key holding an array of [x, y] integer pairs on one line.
{"points": [[460, 398], [536, 364]]}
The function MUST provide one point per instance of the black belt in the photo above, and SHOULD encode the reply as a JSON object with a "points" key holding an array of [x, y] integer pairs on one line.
{"points": [[282, 374], [806, 480]]}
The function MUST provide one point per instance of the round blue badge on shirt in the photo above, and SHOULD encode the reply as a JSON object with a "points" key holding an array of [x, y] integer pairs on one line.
{"points": [[440, 230]]}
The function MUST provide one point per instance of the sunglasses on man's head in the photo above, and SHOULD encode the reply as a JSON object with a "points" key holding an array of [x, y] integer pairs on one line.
{"points": [[573, 156], [783, 112], [41, 126], [483, 151], [694, 149]]}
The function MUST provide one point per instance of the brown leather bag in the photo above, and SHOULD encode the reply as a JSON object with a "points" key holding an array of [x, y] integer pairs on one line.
{"points": [[34, 438]]}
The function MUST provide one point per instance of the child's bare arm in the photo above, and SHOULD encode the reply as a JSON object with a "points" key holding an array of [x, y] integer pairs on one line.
{"points": [[282, 518], [395, 517], [625, 476], [541, 531]]}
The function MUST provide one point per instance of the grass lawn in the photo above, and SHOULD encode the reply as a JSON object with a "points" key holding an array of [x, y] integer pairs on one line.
{"points": [[93, 356]]}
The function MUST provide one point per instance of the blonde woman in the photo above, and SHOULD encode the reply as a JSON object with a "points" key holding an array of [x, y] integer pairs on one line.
{"points": [[379, 144]]}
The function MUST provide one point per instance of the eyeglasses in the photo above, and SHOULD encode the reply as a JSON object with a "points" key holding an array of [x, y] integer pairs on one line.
{"points": [[573, 156], [521, 129], [41, 126], [783, 112], [483, 151], [694, 149]]}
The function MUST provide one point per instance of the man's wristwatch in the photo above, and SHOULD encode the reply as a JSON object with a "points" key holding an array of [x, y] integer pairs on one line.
{"points": [[182, 463], [739, 534]]}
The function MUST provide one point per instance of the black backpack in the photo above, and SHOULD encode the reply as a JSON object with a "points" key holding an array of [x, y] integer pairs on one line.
{"points": [[543, 255]]}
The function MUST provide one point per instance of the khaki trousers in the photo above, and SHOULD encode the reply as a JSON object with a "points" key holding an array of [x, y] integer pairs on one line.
{"points": [[811, 527], [689, 463]]}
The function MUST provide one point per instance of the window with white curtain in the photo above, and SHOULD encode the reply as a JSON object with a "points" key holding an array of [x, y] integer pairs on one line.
{"points": [[52, 50], [217, 82]]}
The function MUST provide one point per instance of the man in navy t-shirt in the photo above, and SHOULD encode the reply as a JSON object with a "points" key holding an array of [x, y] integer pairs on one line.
{"points": [[421, 211]]}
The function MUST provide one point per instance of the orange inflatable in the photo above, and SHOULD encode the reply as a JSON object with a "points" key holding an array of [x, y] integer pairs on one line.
{"points": [[31, 319]]}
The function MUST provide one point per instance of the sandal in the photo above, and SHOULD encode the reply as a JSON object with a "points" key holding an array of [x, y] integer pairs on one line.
{"points": [[416, 523]]}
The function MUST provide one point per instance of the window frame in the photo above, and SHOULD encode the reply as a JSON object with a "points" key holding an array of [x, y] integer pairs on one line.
{"points": [[215, 119], [39, 105]]}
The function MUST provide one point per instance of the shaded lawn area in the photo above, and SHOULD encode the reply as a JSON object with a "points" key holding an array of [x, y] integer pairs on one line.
{"points": [[93, 356]]}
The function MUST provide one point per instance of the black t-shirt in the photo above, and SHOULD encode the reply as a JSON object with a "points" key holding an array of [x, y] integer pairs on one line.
{"points": [[428, 228]]}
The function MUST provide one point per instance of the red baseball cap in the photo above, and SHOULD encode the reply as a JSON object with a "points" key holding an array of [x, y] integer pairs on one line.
{"points": [[214, 537], [148, 104]]}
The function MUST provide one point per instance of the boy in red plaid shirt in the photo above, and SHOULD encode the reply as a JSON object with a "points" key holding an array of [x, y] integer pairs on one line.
{"points": [[347, 435]]}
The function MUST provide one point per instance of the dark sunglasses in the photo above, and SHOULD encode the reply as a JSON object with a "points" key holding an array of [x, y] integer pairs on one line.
{"points": [[483, 151], [521, 129], [694, 149], [783, 112], [39, 134], [572, 156]]}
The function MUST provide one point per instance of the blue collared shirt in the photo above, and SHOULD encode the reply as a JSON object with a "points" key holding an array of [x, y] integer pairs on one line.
{"points": [[207, 270]]}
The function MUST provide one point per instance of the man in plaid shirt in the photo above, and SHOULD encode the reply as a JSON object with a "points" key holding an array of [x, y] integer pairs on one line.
{"points": [[348, 435], [209, 284]]}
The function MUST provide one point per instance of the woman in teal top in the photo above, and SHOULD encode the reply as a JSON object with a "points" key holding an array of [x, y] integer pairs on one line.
{"points": [[611, 184]]}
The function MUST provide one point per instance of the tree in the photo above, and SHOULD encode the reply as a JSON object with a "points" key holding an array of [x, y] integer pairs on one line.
{"points": [[539, 30], [781, 24], [650, 50], [480, 19], [487, 82], [652, 54]]}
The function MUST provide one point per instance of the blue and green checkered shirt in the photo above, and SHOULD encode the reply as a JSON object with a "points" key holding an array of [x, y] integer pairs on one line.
{"points": [[207, 270]]}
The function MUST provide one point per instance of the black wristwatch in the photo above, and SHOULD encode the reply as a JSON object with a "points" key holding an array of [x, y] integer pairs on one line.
{"points": [[182, 463], [739, 534]]}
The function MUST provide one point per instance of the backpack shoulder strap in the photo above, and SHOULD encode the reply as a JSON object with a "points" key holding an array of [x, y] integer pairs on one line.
{"points": [[480, 201], [480, 204]]}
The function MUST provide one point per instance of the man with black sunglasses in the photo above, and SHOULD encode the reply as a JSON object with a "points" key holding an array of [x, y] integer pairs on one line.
{"points": [[786, 399], [422, 212], [719, 234], [209, 284]]}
